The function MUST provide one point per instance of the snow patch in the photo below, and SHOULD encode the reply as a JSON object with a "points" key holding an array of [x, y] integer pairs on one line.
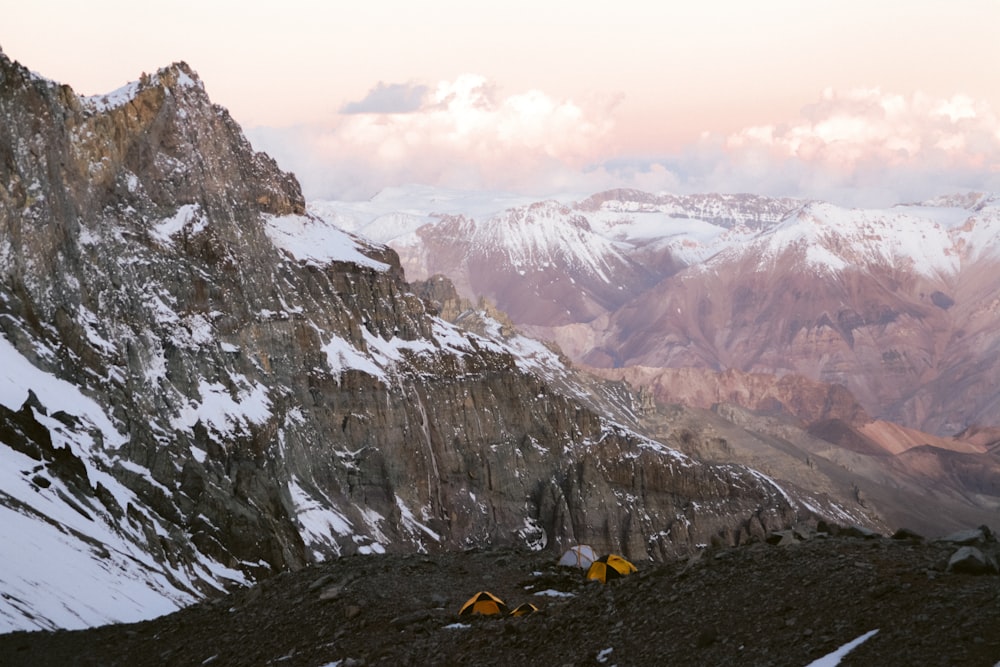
{"points": [[116, 98], [18, 375], [341, 356], [833, 659], [221, 410], [313, 240], [317, 518], [188, 217], [410, 522], [67, 562], [552, 593]]}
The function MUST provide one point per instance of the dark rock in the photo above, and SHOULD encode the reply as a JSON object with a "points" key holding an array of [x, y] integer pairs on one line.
{"points": [[970, 560], [907, 534], [331, 593], [858, 532], [321, 582], [967, 537], [707, 637], [410, 618], [783, 538]]}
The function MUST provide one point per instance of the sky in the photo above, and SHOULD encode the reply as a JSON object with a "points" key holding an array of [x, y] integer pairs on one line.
{"points": [[858, 102]]}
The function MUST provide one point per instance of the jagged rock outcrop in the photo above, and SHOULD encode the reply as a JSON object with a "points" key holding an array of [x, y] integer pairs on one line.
{"points": [[226, 388]]}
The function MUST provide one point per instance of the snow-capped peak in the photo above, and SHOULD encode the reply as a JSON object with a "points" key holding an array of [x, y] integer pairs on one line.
{"points": [[545, 234], [832, 238]]}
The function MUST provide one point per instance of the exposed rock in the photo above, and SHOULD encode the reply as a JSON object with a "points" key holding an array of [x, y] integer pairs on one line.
{"points": [[972, 536], [907, 534], [783, 538], [857, 531], [970, 560], [259, 406]]}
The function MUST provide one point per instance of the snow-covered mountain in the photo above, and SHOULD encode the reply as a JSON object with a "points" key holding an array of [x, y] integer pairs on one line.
{"points": [[202, 385], [896, 305], [735, 281]]}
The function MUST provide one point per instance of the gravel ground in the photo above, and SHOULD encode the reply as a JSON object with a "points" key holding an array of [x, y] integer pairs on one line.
{"points": [[759, 604]]}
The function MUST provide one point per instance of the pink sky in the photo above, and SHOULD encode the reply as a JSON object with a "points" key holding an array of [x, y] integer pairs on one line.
{"points": [[858, 102]]}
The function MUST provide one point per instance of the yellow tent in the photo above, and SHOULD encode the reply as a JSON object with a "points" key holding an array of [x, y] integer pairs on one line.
{"points": [[524, 609], [610, 567], [483, 603]]}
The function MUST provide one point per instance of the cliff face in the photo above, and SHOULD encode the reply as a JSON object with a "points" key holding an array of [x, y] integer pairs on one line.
{"points": [[219, 387]]}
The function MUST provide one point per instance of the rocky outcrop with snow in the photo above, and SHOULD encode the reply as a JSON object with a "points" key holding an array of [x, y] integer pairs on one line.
{"points": [[202, 385]]}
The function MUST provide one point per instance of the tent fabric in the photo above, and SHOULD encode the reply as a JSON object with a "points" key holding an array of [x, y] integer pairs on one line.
{"points": [[610, 567], [580, 556], [483, 603], [524, 609]]}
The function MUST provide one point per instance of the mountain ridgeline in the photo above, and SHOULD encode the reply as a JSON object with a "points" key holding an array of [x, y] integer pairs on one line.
{"points": [[204, 385], [898, 305]]}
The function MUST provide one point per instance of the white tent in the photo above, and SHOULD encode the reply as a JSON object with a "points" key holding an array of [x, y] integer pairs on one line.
{"points": [[580, 556]]}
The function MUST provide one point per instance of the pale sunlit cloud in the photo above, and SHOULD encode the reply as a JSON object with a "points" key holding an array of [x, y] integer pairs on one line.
{"points": [[861, 147], [464, 133], [848, 130], [389, 98]]}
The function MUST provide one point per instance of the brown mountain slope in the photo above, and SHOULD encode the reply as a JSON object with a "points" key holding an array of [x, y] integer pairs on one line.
{"points": [[816, 439]]}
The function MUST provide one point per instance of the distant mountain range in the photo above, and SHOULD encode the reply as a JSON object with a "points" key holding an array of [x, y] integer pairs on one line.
{"points": [[897, 305]]}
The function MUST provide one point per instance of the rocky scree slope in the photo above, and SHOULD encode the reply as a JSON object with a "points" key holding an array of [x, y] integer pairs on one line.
{"points": [[205, 386], [801, 595]]}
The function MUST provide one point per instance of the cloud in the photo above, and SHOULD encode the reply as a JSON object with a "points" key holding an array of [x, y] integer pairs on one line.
{"points": [[852, 130], [388, 98], [862, 147], [463, 134]]}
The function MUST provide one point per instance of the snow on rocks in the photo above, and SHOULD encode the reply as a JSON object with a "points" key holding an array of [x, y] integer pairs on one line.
{"points": [[313, 240], [69, 560]]}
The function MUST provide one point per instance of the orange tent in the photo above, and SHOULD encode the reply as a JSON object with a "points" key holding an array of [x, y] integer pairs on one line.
{"points": [[483, 603], [610, 567], [524, 609]]}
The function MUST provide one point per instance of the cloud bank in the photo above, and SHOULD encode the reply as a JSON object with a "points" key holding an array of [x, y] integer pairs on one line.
{"points": [[861, 147], [389, 98], [858, 147], [462, 134]]}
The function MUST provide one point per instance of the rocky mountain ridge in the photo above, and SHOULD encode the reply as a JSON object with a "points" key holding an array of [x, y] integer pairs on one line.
{"points": [[203, 385], [896, 305]]}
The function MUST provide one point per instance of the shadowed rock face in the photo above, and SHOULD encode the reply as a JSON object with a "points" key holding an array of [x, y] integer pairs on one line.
{"points": [[266, 411]]}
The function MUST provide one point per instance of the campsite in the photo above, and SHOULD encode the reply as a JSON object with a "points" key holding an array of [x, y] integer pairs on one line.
{"points": [[759, 604]]}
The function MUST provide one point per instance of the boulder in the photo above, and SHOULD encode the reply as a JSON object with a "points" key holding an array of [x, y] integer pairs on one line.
{"points": [[970, 560], [907, 534], [858, 531]]}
